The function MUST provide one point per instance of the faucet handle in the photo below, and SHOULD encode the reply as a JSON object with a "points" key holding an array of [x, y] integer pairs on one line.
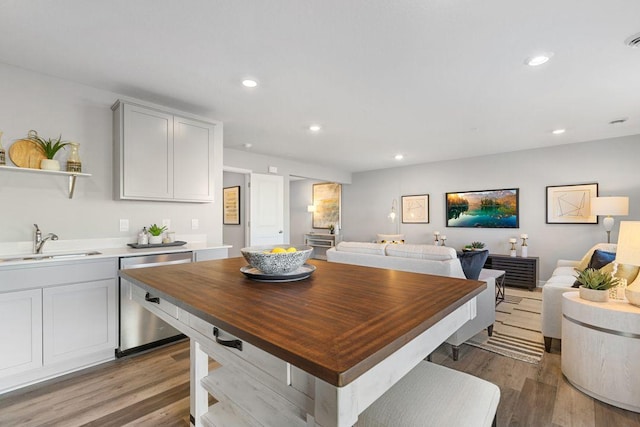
{"points": [[36, 226]]}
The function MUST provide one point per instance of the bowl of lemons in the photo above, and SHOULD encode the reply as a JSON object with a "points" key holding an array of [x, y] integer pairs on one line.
{"points": [[276, 259]]}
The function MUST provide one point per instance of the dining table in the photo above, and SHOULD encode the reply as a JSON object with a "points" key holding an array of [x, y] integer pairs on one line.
{"points": [[315, 351]]}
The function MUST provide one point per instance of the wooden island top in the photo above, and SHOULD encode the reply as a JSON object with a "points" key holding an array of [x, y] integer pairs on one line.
{"points": [[335, 325]]}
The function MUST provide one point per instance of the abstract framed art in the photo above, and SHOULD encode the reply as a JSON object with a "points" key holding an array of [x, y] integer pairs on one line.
{"points": [[327, 198], [415, 209], [571, 204]]}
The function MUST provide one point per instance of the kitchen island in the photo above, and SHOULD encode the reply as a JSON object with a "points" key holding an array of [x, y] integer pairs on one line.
{"points": [[320, 350]]}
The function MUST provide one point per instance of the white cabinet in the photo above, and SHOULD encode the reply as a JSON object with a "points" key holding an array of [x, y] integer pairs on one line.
{"points": [[79, 319], [20, 331], [56, 317], [161, 155], [320, 242]]}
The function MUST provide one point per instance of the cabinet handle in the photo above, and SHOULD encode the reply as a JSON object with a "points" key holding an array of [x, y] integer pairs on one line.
{"points": [[227, 343], [149, 298]]}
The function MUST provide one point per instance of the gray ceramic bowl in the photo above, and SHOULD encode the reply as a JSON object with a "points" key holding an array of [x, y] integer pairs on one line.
{"points": [[260, 257]]}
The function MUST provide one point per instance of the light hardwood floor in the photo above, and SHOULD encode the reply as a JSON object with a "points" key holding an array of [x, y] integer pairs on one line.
{"points": [[152, 389]]}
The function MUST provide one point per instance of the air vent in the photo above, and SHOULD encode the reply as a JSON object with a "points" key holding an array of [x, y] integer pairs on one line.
{"points": [[633, 41]]}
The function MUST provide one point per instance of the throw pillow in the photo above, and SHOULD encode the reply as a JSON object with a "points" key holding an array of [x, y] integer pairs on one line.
{"points": [[391, 238], [601, 258], [472, 262]]}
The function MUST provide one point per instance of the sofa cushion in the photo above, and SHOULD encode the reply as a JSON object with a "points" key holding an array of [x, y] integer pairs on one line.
{"points": [[390, 238], [599, 261], [472, 262], [362, 247], [435, 253], [584, 262]]}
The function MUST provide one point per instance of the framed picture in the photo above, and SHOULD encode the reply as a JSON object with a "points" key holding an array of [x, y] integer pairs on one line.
{"points": [[483, 209], [327, 199], [231, 205], [571, 204], [415, 209]]}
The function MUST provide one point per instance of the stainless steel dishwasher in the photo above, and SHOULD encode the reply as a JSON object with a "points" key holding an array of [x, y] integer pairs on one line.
{"points": [[139, 328]]}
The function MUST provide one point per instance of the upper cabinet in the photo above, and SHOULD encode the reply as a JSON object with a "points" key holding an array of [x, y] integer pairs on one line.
{"points": [[162, 155]]}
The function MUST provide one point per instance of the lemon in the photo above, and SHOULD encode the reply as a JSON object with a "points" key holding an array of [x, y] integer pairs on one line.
{"points": [[277, 250], [292, 249]]}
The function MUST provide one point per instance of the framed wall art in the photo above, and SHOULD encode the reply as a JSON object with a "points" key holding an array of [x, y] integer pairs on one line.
{"points": [[415, 209], [231, 205], [327, 200], [483, 209], [571, 204]]}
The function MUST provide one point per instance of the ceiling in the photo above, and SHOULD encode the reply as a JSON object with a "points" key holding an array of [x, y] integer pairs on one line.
{"points": [[431, 79]]}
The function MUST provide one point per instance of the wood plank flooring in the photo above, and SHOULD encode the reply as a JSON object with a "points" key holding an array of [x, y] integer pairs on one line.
{"points": [[152, 389]]}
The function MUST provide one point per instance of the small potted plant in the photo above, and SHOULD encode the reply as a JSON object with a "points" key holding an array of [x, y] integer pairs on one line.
{"points": [[331, 228], [595, 284], [477, 246], [156, 234], [467, 248], [50, 148]]}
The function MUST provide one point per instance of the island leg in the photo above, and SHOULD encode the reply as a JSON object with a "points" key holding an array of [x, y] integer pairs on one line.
{"points": [[199, 397]]}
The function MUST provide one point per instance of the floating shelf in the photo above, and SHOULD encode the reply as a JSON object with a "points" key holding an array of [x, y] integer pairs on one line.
{"points": [[72, 175]]}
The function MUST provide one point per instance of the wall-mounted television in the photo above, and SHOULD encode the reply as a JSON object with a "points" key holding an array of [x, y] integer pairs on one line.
{"points": [[483, 209]]}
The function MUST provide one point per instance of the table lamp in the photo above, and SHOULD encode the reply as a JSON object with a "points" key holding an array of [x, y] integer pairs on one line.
{"points": [[628, 252], [609, 206]]}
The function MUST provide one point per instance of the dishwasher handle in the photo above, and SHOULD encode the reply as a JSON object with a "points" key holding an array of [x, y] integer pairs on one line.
{"points": [[149, 298]]}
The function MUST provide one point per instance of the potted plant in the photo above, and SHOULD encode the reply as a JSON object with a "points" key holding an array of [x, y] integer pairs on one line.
{"points": [[595, 284], [156, 234], [477, 246], [50, 148], [467, 248], [331, 228]]}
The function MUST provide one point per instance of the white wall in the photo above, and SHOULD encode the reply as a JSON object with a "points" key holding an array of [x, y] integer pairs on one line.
{"points": [[53, 106], [612, 163]]}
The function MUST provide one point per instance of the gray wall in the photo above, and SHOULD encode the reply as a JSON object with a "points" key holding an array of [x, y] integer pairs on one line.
{"points": [[80, 113], [612, 163]]}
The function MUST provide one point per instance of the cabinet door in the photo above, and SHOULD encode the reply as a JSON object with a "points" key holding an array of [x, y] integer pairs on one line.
{"points": [[192, 160], [21, 331], [79, 319], [147, 153]]}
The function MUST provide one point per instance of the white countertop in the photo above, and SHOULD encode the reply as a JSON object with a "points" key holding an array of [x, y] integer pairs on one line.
{"points": [[108, 248]]}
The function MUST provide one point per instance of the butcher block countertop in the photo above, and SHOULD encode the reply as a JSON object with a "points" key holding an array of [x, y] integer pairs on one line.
{"points": [[335, 325]]}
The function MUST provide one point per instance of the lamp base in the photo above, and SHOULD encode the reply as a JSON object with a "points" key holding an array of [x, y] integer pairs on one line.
{"points": [[632, 292]]}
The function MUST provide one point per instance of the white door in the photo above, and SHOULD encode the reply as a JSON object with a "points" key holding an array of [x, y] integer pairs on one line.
{"points": [[266, 217]]}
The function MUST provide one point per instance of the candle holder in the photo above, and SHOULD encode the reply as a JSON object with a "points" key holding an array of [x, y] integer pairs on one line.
{"points": [[513, 247], [442, 240], [436, 238], [525, 248]]}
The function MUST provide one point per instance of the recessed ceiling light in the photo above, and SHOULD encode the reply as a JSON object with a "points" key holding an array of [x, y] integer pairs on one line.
{"points": [[399, 157], [314, 128], [558, 131], [247, 145], [536, 60], [249, 83]]}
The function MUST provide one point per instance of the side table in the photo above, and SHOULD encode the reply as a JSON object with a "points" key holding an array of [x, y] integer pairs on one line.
{"points": [[601, 349], [498, 275]]}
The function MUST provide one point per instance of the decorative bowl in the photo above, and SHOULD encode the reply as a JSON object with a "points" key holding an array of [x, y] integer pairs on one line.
{"points": [[260, 257]]}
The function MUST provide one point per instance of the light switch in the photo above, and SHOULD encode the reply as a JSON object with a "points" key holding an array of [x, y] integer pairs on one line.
{"points": [[195, 224], [166, 223], [124, 225]]}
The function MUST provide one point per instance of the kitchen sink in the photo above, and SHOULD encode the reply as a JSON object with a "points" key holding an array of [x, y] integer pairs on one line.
{"points": [[38, 257]]}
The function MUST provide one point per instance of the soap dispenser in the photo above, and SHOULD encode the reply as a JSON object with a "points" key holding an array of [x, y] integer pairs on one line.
{"points": [[143, 237]]}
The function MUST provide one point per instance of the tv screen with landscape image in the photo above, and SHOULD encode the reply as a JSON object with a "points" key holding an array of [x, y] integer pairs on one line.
{"points": [[483, 209]]}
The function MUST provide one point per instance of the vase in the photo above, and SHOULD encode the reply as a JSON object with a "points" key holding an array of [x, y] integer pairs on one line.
{"points": [[73, 161], [594, 295], [525, 252], [155, 240], [50, 165]]}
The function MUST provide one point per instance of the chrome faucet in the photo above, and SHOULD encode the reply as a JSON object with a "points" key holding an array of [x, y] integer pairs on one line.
{"points": [[38, 241]]}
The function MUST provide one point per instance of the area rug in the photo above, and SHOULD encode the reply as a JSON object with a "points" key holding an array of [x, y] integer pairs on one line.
{"points": [[516, 332]]}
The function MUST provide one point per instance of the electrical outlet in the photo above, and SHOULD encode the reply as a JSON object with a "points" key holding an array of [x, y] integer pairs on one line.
{"points": [[166, 223], [195, 224], [124, 225]]}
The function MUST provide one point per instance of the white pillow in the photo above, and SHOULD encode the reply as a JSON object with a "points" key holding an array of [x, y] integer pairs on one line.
{"points": [[435, 253], [390, 238], [362, 247]]}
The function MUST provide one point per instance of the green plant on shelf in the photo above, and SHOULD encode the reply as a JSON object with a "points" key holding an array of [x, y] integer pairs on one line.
{"points": [[155, 230], [591, 278], [477, 245], [49, 147]]}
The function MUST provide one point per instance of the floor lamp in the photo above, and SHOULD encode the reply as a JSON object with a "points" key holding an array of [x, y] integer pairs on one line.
{"points": [[628, 252], [609, 207]]}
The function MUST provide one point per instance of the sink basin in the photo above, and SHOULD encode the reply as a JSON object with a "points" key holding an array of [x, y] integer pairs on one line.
{"points": [[38, 257]]}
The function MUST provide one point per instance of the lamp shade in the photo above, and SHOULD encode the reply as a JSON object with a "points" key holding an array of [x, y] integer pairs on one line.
{"points": [[628, 250], [610, 206]]}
